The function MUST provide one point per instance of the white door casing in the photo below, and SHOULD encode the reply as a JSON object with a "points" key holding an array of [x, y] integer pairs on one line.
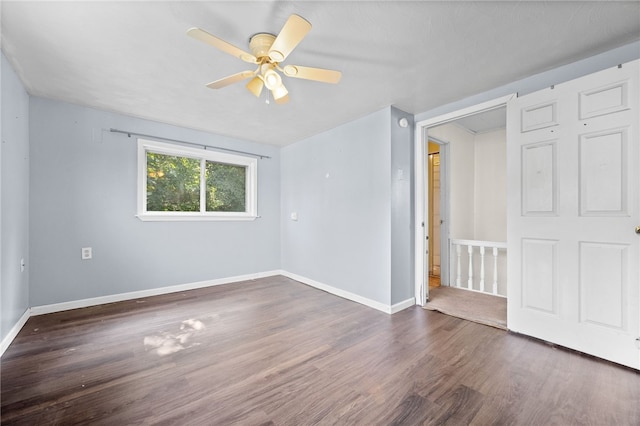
{"points": [[573, 155], [421, 195]]}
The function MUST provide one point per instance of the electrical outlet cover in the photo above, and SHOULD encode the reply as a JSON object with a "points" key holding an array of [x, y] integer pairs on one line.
{"points": [[86, 253]]}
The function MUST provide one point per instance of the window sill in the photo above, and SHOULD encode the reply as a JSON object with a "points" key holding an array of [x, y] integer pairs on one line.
{"points": [[190, 217]]}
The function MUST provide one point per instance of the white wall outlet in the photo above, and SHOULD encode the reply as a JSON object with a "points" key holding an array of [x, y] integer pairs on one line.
{"points": [[294, 216], [22, 264], [87, 253]]}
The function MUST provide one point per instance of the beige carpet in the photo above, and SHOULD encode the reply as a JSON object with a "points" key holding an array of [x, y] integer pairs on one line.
{"points": [[477, 307]]}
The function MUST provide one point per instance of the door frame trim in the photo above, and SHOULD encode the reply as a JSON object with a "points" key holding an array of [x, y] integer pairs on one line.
{"points": [[420, 184]]}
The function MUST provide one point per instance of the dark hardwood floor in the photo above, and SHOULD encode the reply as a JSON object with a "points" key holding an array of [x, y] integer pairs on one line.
{"points": [[274, 351]]}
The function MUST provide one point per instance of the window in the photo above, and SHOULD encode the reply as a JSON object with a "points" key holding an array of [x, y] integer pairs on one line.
{"points": [[181, 183]]}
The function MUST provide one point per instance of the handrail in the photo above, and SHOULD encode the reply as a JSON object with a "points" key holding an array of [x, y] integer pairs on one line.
{"points": [[478, 243]]}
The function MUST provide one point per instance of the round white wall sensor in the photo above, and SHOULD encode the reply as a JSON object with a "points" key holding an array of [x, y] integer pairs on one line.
{"points": [[403, 122]]}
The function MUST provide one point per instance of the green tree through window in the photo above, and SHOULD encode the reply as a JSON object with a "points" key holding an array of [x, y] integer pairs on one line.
{"points": [[225, 187], [173, 183]]}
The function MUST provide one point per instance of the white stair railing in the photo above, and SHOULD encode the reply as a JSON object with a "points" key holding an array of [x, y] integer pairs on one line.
{"points": [[492, 247]]}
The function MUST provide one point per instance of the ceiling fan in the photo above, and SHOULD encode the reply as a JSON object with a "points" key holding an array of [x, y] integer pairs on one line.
{"points": [[268, 51]]}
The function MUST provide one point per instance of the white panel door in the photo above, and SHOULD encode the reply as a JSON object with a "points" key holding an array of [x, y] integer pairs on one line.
{"points": [[574, 205]]}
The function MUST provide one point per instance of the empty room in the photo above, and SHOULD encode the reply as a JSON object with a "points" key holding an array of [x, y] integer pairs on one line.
{"points": [[320, 212]]}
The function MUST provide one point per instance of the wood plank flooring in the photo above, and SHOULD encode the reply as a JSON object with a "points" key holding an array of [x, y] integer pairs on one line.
{"points": [[276, 352]]}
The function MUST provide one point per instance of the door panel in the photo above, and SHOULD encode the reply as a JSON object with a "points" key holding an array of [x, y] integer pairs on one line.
{"points": [[539, 116], [603, 173], [603, 284], [539, 266], [574, 202], [538, 178]]}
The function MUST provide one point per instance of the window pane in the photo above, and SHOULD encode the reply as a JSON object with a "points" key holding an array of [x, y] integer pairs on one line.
{"points": [[173, 183], [225, 187]]}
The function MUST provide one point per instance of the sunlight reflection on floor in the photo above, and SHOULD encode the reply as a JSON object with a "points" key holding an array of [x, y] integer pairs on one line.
{"points": [[168, 343]]}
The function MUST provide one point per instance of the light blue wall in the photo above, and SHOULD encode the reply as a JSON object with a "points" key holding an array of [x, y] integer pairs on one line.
{"points": [[14, 195], [537, 82], [83, 194], [351, 189], [339, 184], [402, 208]]}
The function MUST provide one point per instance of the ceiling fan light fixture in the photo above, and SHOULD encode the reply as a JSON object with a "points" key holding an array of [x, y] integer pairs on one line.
{"points": [[272, 79], [282, 100], [279, 92], [255, 86]]}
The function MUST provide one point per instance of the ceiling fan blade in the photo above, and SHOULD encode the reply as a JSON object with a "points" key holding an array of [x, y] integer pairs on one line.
{"points": [[224, 82], [316, 74], [290, 35], [225, 46]]}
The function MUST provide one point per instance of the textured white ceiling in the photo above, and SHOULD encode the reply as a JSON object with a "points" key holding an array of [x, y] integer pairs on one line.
{"points": [[484, 122], [135, 58]]}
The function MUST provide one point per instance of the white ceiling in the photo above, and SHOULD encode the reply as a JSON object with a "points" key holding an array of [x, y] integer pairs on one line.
{"points": [[484, 122], [134, 57]]}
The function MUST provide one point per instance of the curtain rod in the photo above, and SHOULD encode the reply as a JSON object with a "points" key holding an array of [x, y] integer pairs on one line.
{"points": [[188, 143]]}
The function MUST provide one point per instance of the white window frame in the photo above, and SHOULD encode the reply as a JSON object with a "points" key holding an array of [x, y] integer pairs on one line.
{"points": [[251, 190]]}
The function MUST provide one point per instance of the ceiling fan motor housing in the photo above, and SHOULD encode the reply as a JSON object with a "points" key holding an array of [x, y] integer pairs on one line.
{"points": [[260, 44]]}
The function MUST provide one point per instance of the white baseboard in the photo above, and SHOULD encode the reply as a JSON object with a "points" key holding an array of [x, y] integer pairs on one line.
{"points": [[351, 296], [83, 303], [400, 306], [14, 331]]}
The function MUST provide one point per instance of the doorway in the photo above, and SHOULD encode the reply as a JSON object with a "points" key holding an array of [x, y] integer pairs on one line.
{"points": [[424, 258]]}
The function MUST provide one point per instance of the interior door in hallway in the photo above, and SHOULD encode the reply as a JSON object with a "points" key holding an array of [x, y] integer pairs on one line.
{"points": [[574, 202]]}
